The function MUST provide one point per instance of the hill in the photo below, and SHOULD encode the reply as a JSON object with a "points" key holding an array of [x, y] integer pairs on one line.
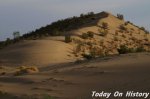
{"points": [[73, 57], [88, 36]]}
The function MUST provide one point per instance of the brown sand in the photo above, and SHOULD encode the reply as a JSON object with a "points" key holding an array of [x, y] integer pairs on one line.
{"points": [[76, 80], [37, 52]]}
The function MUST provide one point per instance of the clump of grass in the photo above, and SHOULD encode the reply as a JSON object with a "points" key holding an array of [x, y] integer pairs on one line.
{"points": [[87, 35], [26, 70], [103, 32], [84, 36], [122, 27], [105, 25], [90, 34]]}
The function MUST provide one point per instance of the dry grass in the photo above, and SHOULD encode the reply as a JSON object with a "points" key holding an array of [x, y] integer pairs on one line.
{"points": [[26, 70]]}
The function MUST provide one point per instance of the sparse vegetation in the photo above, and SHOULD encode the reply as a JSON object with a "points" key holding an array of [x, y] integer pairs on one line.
{"points": [[25, 70], [87, 56], [57, 28], [120, 16], [126, 23], [90, 34], [87, 35], [122, 27], [103, 32], [105, 25], [68, 38], [140, 49], [123, 49]]}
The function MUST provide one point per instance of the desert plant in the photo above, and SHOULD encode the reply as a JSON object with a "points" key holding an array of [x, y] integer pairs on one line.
{"points": [[90, 34], [84, 36], [103, 33], [87, 56], [68, 38], [120, 16], [122, 27], [140, 49], [78, 48], [105, 25], [25, 70], [142, 28], [126, 23], [123, 49], [131, 50]]}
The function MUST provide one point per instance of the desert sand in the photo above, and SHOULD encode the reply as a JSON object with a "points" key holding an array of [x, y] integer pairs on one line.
{"points": [[61, 71], [37, 52], [77, 80]]}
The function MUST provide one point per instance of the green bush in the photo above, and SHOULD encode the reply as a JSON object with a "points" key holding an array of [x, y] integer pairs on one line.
{"points": [[123, 49], [68, 38]]}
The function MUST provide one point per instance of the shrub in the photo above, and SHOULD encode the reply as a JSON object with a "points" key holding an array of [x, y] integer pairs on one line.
{"points": [[105, 25], [84, 36], [131, 50], [120, 16], [126, 23], [87, 56], [122, 27], [123, 49], [140, 49], [87, 35], [78, 48], [142, 28], [103, 33], [26, 70], [90, 34], [68, 39]]}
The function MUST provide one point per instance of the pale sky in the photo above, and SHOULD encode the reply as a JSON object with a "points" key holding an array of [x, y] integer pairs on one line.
{"points": [[27, 15]]}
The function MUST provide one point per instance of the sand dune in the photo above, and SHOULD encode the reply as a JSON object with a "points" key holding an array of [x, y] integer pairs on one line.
{"points": [[62, 74], [37, 52], [76, 80]]}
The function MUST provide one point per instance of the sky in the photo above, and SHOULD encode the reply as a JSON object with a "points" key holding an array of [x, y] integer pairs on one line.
{"points": [[27, 15]]}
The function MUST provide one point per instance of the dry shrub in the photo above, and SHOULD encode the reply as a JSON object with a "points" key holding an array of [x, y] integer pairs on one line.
{"points": [[103, 32], [26, 70]]}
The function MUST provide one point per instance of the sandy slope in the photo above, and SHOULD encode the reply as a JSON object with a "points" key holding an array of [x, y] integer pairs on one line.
{"points": [[37, 52], [64, 80], [76, 80]]}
